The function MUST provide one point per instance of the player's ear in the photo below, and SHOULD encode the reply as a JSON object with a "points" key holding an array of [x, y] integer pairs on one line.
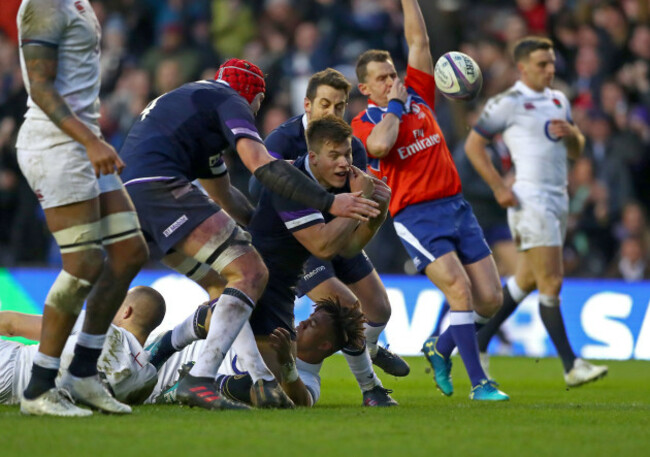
{"points": [[307, 105], [128, 312], [363, 88]]}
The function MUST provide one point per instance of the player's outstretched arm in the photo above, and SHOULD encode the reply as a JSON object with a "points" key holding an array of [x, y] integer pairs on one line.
{"points": [[415, 31], [280, 341], [478, 156], [287, 181], [229, 198], [20, 324]]}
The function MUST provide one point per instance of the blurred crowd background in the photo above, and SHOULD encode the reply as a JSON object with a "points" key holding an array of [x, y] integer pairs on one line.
{"points": [[603, 64]]}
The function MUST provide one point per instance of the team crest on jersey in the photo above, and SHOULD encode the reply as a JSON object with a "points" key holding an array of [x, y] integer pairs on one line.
{"points": [[79, 6], [557, 103], [415, 109], [529, 106]]}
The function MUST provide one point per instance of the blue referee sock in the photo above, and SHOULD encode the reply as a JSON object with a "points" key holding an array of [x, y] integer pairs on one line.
{"points": [[464, 333]]}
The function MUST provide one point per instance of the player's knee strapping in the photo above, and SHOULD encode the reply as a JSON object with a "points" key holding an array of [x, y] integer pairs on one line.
{"points": [[222, 249], [68, 293], [193, 269], [79, 237], [117, 227]]}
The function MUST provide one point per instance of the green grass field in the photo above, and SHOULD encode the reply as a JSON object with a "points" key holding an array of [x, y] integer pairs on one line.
{"points": [[608, 418]]}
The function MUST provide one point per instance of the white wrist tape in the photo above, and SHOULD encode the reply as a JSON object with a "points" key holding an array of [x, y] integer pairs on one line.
{"points": [[289, 372]]}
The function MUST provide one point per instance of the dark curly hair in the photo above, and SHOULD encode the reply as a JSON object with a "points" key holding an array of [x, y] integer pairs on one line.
{"points": [[347, 321]]}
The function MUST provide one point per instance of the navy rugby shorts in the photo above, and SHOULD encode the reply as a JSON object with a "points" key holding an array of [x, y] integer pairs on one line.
{"points": [[348, 270], [169, 211], [429, 230]]}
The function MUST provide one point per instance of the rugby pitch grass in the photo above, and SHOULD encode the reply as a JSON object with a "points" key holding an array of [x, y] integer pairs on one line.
{"points": [[607, 418]]}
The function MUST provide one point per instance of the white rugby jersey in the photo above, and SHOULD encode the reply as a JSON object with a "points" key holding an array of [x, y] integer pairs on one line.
{"points": [[168, 374], [71, 27], [123, 360], [523, 116]]}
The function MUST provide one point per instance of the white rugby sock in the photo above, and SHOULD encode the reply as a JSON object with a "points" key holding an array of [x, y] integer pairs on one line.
{"points": [[361, 367], [372, 331], [228, 317], [183, 334], [246, 349]]}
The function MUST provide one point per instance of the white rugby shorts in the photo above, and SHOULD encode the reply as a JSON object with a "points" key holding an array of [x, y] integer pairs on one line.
{"points": [[541, 217], [62, 174]]}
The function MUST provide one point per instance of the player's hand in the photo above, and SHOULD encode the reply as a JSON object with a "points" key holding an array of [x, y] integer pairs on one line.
{"points": [[360, 181], [382, 191], [354, 206], [398, 91], [506, 197], [559, 128], [104, 158], [280, 341]]}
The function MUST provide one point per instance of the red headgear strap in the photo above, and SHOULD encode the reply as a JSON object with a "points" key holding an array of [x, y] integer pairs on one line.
{"points": [[246, 78]]}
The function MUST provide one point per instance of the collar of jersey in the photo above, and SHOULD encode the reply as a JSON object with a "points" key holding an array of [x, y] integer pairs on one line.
{"points": [[304, 121], [520, 86], [308, 168], [313, 368]]}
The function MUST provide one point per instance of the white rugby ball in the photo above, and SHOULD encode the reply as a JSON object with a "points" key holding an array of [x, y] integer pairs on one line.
{"points": [[458, 76]]}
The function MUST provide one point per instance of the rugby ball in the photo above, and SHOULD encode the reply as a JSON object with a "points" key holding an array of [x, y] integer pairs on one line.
{"points": [[458, 76]]}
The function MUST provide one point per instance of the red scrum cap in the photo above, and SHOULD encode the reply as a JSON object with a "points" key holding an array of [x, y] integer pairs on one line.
{"points": [[246, 78]]}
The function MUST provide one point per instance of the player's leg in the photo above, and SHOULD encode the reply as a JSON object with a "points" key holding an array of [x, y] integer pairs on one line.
{"points": [[77, 231], [517, 288], [126, 252], [217, 241], [448, 274], [376, 307], [546, 263]]}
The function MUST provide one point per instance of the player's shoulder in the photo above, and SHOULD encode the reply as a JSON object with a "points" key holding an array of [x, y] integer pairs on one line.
{"points": [[510, 95], [559, 95], [289, 130]]}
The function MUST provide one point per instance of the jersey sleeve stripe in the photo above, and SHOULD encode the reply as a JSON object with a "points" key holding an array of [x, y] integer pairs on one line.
{"points": [[240, 131], [291, 221], [483, 133], [28, 42]]}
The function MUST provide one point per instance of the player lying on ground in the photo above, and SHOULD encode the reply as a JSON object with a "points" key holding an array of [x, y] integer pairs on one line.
{"points": [[285, 233], [180, 137], [123, 360], [328, 329], [351, 279]]}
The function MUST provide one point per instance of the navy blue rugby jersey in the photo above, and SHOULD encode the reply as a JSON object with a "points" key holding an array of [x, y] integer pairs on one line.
{"points": [[183, 133], [271, 227], [288, 142]]}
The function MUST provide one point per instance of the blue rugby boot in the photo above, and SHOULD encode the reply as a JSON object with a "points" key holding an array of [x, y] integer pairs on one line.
{"points": [[487, 391], [441, 366]]}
